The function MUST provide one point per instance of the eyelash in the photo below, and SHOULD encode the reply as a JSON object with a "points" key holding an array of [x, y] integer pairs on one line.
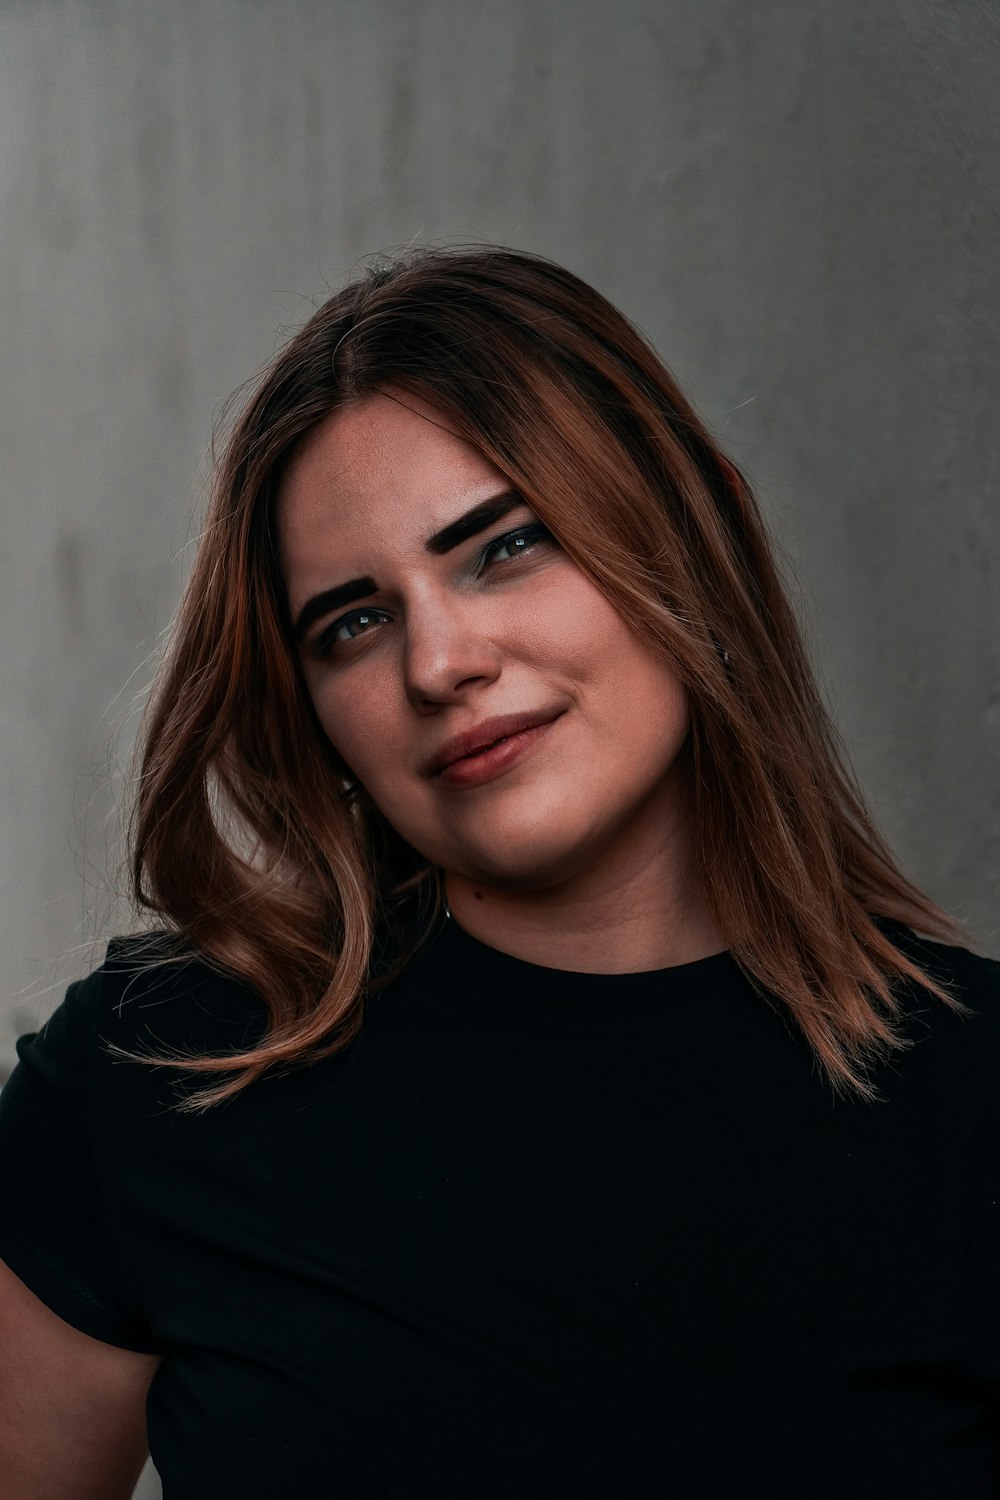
{"points": [[534, 534]]}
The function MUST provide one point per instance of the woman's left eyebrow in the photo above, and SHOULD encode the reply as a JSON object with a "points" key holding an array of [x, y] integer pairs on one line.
{"points": [[485, 514], [475, 520]]}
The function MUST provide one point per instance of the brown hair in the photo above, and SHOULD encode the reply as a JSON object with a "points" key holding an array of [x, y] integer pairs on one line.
{"points": [[249, 836]]}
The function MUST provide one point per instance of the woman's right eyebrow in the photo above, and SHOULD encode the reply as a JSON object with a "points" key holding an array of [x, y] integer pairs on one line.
{"points": [[485, 514]]}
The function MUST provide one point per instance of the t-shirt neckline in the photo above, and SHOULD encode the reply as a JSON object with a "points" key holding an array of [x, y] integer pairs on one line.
{"points": [[540, 998]]}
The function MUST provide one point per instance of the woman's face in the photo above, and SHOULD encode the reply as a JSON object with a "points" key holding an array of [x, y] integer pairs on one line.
{"points": [[415, 626]]}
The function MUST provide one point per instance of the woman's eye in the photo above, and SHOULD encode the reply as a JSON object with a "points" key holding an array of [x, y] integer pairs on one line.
{"points": [[518, 542], [343, 629]]}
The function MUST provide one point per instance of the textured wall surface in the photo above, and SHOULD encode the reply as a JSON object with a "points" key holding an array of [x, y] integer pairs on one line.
{"points": [[798, 202]]}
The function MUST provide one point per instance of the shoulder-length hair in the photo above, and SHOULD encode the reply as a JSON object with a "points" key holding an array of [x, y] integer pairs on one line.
{"points": [[248, 834]]}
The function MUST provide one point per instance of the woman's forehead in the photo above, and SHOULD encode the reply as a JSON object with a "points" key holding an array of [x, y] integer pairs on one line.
{"points": [[380, 463], [381, 442]]}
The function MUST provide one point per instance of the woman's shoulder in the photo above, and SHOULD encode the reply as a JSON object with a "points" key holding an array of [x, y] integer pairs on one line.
{"points": [[973, 978], [956, 1047], [152, 990], [161, 964]]}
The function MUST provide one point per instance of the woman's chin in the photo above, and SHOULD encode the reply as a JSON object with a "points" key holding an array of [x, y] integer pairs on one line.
{"points": [[529, 863]]}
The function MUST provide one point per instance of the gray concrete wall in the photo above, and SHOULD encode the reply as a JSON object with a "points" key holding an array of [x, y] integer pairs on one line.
{"points": [[797, 200]]}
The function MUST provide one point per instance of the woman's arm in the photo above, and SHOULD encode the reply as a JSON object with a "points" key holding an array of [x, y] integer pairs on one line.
{"points": [[73, 1414]]}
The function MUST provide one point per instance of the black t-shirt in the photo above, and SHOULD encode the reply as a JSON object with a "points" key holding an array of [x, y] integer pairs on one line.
{"points": [[533, 1233]]}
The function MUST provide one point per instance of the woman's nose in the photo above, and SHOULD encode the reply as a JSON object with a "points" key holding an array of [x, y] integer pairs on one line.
{"points": [[446, 650]]}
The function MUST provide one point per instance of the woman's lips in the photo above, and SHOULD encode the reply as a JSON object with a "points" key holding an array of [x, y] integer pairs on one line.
{"points": [[485, 765], [482, 736]]}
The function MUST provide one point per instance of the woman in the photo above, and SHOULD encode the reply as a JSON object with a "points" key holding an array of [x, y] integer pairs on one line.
{"points": [[537, 1085]]}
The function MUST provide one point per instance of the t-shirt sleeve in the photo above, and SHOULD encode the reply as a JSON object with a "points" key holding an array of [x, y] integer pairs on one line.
{"points": [[984, 1197], [56, 1209], [966, 1096]]}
